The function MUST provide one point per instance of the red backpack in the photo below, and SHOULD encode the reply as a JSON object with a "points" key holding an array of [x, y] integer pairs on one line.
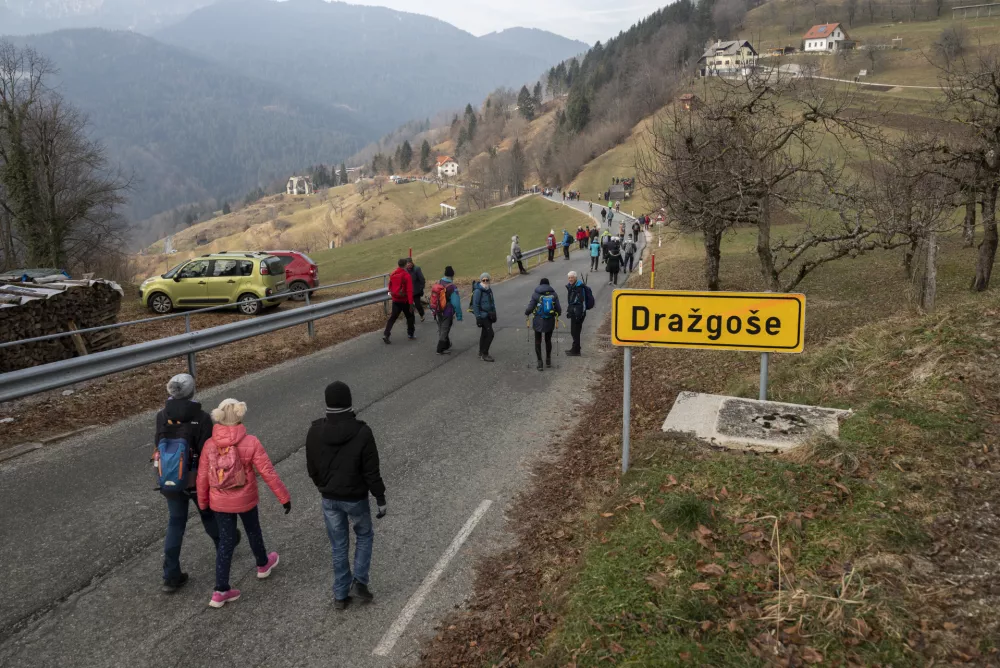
{"points": [[439, 297]]}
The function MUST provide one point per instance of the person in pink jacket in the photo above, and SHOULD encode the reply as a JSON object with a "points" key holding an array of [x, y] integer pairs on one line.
{"points": [[227, 483]]}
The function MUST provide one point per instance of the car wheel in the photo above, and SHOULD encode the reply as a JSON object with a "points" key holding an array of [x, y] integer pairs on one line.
{"points": [[160, 303], [247, 304], [296, 287]]}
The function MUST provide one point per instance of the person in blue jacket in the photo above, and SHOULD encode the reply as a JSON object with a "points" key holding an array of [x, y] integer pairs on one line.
{"points": [[595, 253], [484, 307], [567, 242], [451, 311], [544, 305]]}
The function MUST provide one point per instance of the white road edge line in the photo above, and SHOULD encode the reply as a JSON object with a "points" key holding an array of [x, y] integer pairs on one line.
{"points": [[410, 609]]}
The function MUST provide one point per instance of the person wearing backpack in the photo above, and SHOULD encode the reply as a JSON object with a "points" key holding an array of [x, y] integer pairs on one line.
{"points": [[446, 305], [419, 283], [636, 228], [227, 484], [545, 308], [628, 254], [614, 261], [595, 253], [567, 241], [182, 428], [550, 244], [515, 253], [484, 308], [604, 214], [342, 460], [401, 293], [579, 300]]}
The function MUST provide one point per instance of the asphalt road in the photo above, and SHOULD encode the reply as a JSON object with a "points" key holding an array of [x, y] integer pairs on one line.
{"points": [[81, 529]]}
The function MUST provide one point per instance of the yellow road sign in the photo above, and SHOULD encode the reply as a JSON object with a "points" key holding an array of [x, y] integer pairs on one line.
{"points": [[758, 321]]}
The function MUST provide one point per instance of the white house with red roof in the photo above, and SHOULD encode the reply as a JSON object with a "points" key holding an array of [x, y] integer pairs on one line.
{"points": [[447, 166], [826, 37]]}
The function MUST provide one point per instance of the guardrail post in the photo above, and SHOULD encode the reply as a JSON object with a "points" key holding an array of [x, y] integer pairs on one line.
{"points": [[310, 326], [192, 367], [385, 284]]}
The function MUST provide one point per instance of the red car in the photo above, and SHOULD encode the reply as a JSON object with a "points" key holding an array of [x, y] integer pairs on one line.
{"points": [[301, 273]]}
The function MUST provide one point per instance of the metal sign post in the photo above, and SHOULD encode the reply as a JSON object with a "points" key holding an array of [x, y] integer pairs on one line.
{"points": [[764, 359], [626, 409]]}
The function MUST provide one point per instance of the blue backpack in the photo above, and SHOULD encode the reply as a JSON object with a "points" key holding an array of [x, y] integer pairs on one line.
{"points": [[546, 306], [174, 458]]}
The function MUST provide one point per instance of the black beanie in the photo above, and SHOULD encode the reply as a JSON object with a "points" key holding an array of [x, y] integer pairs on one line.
{"points": [[449, 272], [544, 281], [338, 398]]}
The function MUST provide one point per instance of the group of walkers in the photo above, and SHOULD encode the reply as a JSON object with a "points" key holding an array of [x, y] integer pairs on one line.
{"points": [[211, 459], [570, 195]]}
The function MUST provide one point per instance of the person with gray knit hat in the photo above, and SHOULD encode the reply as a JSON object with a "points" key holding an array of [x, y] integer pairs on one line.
{"points": [[182, 419], [342, 460], [446, 305], [484, 308]]}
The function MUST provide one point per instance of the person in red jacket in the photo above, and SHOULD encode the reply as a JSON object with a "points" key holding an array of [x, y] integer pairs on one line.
{"points": [[401, 292], [550, 244], [228, 486]]}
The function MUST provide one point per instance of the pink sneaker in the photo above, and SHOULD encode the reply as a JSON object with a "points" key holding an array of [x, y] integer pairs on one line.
{"points": [[220, 598], [272, 561]]}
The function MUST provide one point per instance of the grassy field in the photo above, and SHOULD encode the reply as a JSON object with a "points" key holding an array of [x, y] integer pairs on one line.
{"points": [[596, 176], [474, 243]]}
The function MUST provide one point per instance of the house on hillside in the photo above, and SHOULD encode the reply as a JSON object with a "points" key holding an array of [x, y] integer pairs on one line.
{"points": [[730, 58], [447, 166], [689, 102], [826, 37], [299, 185]]}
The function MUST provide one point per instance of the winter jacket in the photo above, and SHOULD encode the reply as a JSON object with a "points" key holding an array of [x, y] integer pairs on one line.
{"points": [[614, 246], [567, 239], [636, 227], [187, 412], [581, 235], [418, 280], [254, 459], [400, 282], [594, 233], [342, 459], [515, 251], [538, 323], [550, 241], [628, 248], [483, 302], [614, 261], [454, 307], [595, 248]]}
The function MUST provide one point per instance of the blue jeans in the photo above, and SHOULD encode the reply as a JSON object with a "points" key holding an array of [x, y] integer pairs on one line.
{"points": [[177, 506], [227, 542], [336, 514]]}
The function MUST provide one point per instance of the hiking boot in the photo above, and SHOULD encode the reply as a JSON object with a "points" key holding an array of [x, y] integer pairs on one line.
{"points": [[362, 592], [487, 358], [540, 367], [341, 604], [573, 353], [386, 339], [411, 337], [548, 362], [265, 570], [444, 352], [220, 598], [421, 318], [170, 586]]}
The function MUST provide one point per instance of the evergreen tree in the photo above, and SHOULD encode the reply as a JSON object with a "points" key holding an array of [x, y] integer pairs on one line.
{"points": [[343, 174], [225, 209], [405, 155], [577, 109], [472, 127], [538, 96], [463, 137], [425, 156], [526, 104], [518, 167], [388, 166], [469, 112]]}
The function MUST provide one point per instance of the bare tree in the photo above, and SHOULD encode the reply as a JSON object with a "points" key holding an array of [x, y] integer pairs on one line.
{"points": [[361, 187], [852, 9], [728, 15]]}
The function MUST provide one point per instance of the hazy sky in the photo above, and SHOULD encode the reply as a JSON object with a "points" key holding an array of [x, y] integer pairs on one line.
{"points": [[586, 20]]}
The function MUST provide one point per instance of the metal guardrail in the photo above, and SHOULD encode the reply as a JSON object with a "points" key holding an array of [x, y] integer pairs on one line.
{"points": [[187, 314], [25, 382]]}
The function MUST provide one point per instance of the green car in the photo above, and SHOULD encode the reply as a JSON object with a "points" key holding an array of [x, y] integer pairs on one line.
{"points": [[236, 278]]}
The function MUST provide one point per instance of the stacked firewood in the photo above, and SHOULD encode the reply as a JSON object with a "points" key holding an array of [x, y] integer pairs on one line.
{"points": [[29, 310]]}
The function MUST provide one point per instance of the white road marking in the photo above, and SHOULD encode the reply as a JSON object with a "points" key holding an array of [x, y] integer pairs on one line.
{"points": [[410, 609]]}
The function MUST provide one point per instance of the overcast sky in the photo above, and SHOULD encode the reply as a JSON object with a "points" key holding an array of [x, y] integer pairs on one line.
{"points": [[586, 20]]}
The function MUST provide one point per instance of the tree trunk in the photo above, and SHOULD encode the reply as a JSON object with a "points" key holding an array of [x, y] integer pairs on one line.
{"points": [[764, 254], [908, 254], [969, 225], [988, 246], [928, 292], [713, 257]]}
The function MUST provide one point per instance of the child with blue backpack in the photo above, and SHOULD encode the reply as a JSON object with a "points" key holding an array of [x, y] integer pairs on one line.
{"points": [[182, 428], [545, 308]]}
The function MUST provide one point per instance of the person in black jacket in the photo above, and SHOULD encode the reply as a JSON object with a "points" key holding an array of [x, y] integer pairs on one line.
{"points": [[183, 416], [419, 283], [543, 321], [342, 461]]}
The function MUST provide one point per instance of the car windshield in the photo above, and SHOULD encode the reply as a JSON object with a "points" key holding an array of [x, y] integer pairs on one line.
{"points": [[173, 270]]}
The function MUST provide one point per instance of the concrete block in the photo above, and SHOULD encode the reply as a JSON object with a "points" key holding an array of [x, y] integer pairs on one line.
{"points": [[749, 424]]}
